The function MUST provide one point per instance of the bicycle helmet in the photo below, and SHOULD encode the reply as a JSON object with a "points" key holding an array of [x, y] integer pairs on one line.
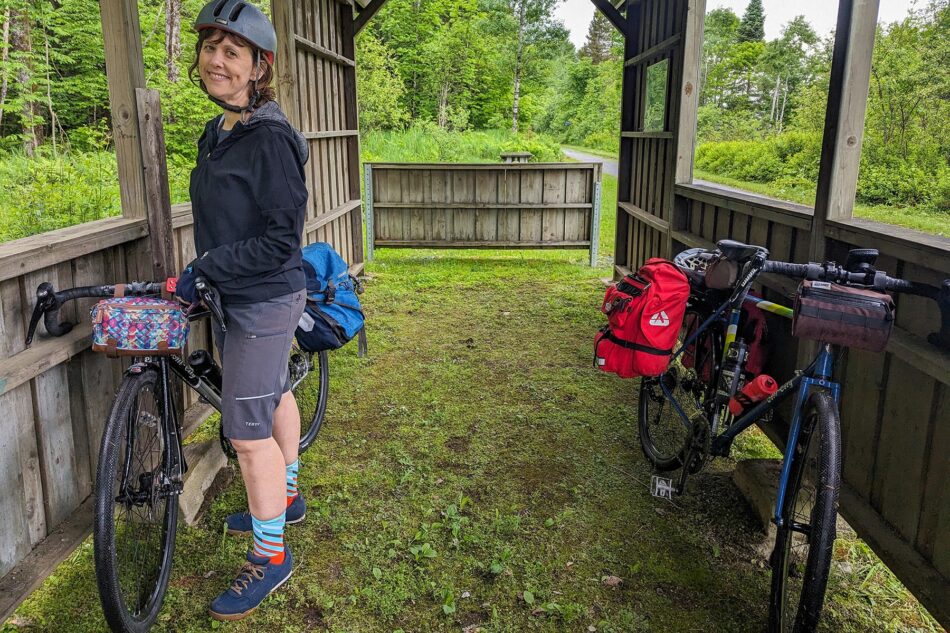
{"points": [[246, 21], [693, 262]]}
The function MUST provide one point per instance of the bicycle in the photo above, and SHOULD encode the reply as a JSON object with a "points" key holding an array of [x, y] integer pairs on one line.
{"points": [[698, 425], [141, 458]]}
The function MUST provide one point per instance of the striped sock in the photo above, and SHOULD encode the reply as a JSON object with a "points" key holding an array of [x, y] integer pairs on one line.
{"points": [[269, 538], [292, 481]]}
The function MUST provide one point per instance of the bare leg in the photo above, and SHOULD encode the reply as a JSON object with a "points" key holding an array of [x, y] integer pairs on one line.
{"points": [[263, 470], [287, 427]]}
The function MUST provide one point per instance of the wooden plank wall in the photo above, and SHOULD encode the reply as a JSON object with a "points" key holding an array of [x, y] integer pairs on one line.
{"points": [[323, 108], [539, 205], [895, 412], [55, 396], [648, 159]]}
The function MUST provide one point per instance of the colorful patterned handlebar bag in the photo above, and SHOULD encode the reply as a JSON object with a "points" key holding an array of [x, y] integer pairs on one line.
{"points": [[138, 326]]}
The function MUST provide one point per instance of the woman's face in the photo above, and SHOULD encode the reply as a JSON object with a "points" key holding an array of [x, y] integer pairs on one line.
{"points": [[226, 68]]}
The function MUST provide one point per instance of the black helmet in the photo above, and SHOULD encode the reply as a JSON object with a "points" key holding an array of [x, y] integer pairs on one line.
{"points": [[240, 18]]}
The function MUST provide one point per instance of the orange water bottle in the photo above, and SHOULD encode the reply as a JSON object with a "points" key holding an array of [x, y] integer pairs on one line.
{"points": [[753, 391]]}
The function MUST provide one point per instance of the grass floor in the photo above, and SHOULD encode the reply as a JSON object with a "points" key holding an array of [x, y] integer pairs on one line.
{"points": [[476, 473]]}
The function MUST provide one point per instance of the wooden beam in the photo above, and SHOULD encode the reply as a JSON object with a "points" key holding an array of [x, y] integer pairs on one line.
{"points": [[125, 69], [331, 215], [659, 135], [352, 121], [321, 51], [330, 134], [612, 14], [286, 62], [501, 167], [158, 202], [649, 219], [483, 205], [844, 117], [653, 51], [786, 213], [689, 91], [366, 15], [479, 244], [27, 254]]}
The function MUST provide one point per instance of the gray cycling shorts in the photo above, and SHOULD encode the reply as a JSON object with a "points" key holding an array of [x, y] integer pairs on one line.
{"points": [[254, 353]]}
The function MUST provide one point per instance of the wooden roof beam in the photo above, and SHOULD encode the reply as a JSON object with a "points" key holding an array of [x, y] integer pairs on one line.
{"points": [[364, 16], [613, 15]]}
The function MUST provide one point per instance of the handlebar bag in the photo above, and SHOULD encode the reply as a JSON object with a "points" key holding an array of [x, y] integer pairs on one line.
{"points": [[138, 326], [843, 315], [644, 313]]}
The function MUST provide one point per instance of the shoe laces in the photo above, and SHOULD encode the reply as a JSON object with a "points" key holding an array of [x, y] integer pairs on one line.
{"points": [[248, 574]]}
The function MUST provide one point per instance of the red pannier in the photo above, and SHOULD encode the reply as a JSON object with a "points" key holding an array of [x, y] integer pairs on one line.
{"points": [[644, 313]]}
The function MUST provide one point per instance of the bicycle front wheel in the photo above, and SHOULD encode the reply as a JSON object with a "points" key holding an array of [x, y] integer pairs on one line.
{"points": [[136, 512], [801, 559], [310, 384], [664, 433]]}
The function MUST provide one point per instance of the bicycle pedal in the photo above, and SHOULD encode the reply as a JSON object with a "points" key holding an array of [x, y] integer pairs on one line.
{"points": [[662, 487]]}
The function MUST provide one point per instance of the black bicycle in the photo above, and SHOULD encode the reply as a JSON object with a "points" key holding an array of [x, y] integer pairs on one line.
{"points": [[685, 418], [141, 459]]}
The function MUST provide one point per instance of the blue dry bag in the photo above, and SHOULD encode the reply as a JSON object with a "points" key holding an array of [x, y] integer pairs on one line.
{"points": [[333, 314]]}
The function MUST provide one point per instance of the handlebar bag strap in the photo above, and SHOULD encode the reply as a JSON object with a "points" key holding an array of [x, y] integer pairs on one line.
{"points": [[138, 326], [843, 315]]}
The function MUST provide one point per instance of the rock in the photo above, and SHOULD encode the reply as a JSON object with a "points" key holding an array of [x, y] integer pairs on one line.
{"points": [[612, 581]]}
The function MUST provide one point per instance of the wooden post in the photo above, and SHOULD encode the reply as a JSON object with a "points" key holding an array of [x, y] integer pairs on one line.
{"points": [[689, 91], [352, 122], [286, 62], [844, 117], [368, 205], [125, 69], [627, 123], [595, 217], [157, 199]]}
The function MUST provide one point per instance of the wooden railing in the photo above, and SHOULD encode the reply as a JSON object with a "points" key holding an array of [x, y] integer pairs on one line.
{"points": [[516, 205], [895, 411]]}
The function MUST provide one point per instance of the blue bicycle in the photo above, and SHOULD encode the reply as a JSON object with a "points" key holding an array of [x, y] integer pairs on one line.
{"points": [[685, 419]]}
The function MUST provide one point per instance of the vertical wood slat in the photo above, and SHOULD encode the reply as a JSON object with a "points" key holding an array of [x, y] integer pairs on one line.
{"points": [[122, 43]]}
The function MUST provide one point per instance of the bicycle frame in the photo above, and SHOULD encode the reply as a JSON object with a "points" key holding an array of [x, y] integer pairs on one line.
{"points": [[818, 374]]}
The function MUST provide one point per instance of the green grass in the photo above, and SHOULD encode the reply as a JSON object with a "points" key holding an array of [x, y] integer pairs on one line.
{"points": [[594, 151], [917, 218], [475, 469]]}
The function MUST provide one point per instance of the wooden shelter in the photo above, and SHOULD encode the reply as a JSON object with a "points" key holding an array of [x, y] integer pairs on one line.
{"points": [[55, 396]]}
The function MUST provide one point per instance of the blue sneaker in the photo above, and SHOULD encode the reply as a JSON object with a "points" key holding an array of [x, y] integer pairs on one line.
{"points": [[239, 523], [257, 579]]}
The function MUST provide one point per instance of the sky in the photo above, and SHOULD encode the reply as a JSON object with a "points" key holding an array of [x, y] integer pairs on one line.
{"points": [[822, 14]]}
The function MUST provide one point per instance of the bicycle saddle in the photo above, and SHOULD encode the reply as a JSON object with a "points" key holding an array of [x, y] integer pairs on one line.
{"points": [[739, 252]]}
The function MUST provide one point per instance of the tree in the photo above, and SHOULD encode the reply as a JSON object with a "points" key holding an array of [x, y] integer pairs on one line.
{"points": [[172, 38], [599, 43], [752, 28], [719, 36]]}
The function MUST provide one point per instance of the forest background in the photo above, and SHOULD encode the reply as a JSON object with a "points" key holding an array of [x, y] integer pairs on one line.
{"points": [[462, 80]]}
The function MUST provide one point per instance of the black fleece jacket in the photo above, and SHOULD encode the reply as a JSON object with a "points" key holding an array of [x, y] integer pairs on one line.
{"points": [[249, 197]]}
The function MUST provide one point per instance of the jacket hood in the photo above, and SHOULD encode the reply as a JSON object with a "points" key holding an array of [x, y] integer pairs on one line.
{"points": [[270, 113]]}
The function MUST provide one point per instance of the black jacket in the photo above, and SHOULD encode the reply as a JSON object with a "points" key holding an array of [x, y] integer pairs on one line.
{"points": [[248, 199]]}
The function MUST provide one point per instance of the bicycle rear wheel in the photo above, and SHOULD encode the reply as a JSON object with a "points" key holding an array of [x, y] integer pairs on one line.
{"points": [[664, 434], [801, 559], [310, 384], [136, 511]]}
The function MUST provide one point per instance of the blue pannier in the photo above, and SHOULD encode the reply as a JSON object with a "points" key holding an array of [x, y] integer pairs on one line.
{"points": [[333, 315]]}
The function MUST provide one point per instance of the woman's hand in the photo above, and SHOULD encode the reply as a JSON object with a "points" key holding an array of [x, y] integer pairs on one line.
{"points": [[185, 288]]}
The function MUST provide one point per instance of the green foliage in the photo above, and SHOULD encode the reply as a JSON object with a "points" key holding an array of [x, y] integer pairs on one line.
{"points": [[752, 27], [426, 142], [379, 88], [49, 192]]}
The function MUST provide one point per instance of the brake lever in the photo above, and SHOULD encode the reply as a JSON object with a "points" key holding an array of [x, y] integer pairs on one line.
{"points": [[46, 306], [209, 297]]}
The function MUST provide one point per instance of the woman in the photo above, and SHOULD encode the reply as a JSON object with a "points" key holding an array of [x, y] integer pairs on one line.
{"points": [[248, 200]]}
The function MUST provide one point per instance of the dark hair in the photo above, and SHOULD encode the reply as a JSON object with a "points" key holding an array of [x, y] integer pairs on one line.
{"points": [[264, 87]]}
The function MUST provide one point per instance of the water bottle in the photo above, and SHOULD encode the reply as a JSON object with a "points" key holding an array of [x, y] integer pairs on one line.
{"points": [[754, 391]]}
